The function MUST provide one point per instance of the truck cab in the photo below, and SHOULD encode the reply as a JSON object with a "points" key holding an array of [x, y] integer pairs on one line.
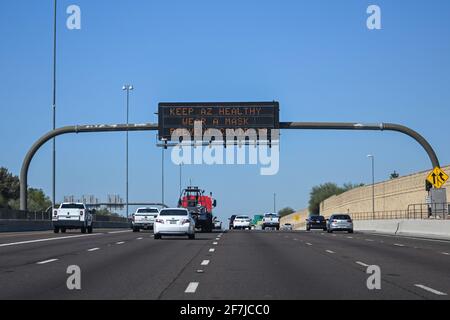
{"points": [[71, 216]]}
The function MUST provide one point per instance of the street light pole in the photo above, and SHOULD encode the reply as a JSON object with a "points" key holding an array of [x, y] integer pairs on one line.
{"points": [[180, 177], [274, 203], [54, 105], [127, 88], [373, 184]]}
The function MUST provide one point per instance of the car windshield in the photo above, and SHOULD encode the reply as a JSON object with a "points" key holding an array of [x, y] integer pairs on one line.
{"points": [[71, 206], [317, 218], [173, 213], [341, 217], [242, 217], [271, 216], [143, 211]]}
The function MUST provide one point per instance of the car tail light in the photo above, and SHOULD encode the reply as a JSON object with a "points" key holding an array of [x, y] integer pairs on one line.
{"points": [[184, 221], [81, 213], [334, 221], [132, 217], [350, 220], [55, 213], [159, 221]]}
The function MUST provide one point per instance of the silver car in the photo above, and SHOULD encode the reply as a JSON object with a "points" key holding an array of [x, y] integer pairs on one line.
{"points": [[340, 222], [287, 227]]}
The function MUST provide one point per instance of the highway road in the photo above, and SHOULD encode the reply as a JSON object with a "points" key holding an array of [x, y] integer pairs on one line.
{"points": [[232, 265]]}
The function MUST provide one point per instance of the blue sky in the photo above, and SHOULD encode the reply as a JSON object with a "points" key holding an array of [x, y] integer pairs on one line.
{"points": [[317, 58]]}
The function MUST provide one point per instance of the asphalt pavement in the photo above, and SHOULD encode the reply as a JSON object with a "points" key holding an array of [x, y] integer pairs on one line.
{"points": [[232, 265]]}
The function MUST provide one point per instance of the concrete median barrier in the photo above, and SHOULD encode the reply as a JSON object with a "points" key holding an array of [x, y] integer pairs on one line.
{"points": [[422, 228]]}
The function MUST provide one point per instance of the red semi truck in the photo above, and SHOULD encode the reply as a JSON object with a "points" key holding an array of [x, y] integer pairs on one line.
{"points": [[200, 206]]}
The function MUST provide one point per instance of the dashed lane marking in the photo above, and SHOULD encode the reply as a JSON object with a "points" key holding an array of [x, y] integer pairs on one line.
{"points": [[362, 264], [436, 292], [205, 262], [192, 287], [47, 261]]}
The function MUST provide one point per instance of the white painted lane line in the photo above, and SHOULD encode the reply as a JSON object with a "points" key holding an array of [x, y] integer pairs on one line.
{"points": [[349, 237], [362, 264], [114, 232], [47, 261], [309, 244], [446, 253], [93, 249], [295, 239], [439, 293], [215, 243], [49, 239], [120, 242], [370, 240], [205, 262], [399, 245], [139, 238], [192, 287], [329, 251], [212, 250]]}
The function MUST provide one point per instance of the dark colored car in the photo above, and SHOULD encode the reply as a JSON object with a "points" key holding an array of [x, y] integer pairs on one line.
{"points": [[231, 221], [316, 222]]}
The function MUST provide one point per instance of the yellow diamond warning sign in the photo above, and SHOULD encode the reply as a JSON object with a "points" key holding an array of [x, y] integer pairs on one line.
{"points": [[437, 177]]}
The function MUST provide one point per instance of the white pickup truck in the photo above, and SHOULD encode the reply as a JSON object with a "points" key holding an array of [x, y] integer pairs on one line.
{"points": [[271, 220], [144, 218], [72, 216]]}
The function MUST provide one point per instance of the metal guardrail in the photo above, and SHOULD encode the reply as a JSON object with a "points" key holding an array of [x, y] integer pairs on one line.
{"points": [[414, 211], [428, 211], [7, 214], [380, 215]]}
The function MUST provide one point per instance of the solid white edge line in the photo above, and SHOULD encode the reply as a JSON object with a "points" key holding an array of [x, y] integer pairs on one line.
{"points": [[48, 239], [192, 287], [47, 261], [436, 292], [205, 262]]}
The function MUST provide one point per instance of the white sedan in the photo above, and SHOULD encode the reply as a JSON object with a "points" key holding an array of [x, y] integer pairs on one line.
{"points": [[174, 222], [242, 222]]}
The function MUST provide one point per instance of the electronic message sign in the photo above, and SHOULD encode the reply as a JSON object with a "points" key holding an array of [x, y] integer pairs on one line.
{"points": [[217, 115]]}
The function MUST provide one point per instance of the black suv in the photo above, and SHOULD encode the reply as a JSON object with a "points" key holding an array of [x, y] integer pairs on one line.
{"points": [[316, 222]]}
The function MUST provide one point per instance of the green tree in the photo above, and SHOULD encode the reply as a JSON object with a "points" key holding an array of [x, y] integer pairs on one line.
{"points": [[9, 187], [324, 191], [285, 211], [37, 201], [106, 212]]}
